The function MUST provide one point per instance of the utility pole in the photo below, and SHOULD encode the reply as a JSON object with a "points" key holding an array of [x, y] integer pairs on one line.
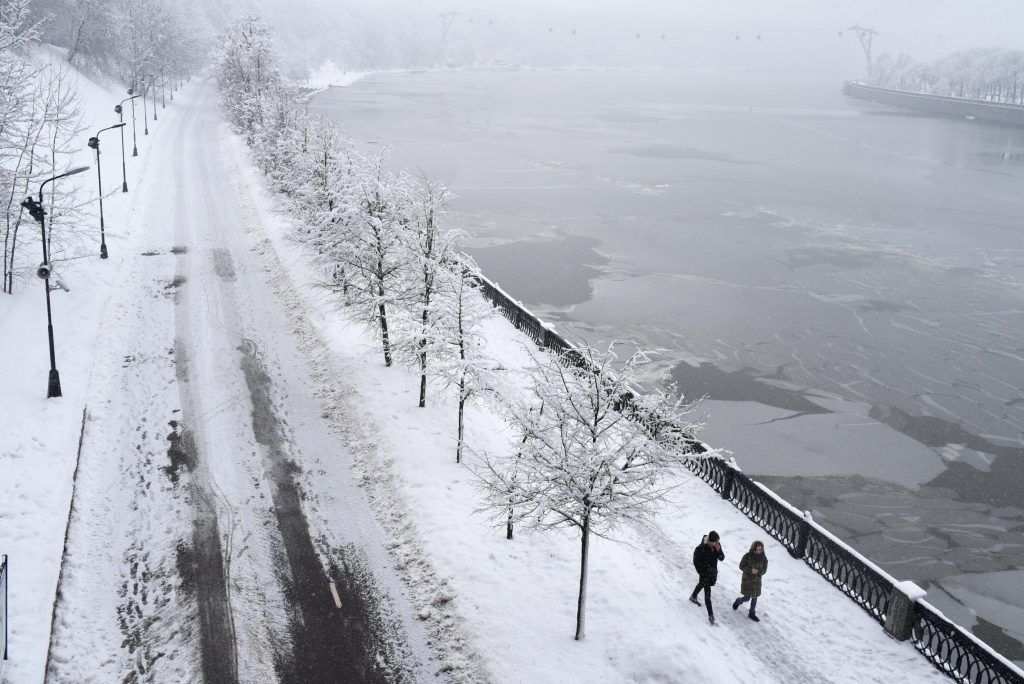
{"points": [[865, 35]]}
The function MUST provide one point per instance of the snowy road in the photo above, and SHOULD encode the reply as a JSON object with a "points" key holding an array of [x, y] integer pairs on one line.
{"points": [[205, 553]]}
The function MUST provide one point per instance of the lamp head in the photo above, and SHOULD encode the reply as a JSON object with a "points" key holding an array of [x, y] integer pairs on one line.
{"points": [[94, 142], [117, 109], [34, 208]]}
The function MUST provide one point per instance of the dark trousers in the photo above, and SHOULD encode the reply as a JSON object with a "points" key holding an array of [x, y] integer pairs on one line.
{"points": [[753, 602], [706, 586]]}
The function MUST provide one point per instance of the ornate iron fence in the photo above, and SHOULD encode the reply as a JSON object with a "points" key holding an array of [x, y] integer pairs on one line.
{"points": [[955, 652], [870, 589], [952, 650], [714, 471], [780, 521]]}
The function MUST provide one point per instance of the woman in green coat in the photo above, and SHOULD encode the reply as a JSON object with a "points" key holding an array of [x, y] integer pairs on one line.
{"points": [[753, 564]]}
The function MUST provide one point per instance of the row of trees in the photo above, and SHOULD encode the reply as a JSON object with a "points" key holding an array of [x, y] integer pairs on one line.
{"points": [[40, 125], [994, 74], [578, 459], [142, 43], [135, 41]]}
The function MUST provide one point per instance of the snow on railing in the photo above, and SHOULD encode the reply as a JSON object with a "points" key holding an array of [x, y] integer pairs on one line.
{"points": [[950, 648], [958, 653]]}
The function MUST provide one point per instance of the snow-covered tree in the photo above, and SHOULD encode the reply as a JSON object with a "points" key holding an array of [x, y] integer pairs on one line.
{"points": [[40, 123], [322, 188], [463, 363], [247, 64], [17, 77], [372, 251], [583, 463], [430, 252]]}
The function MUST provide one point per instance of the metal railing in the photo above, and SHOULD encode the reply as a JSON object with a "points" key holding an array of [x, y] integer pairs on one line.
{"points": [[3, 612], [951, 649], [954, 651]]}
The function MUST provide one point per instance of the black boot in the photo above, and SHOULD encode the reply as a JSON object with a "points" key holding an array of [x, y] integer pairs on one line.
{"points": [[736, 603], [694, 601], [753, 616], [711, 618]]}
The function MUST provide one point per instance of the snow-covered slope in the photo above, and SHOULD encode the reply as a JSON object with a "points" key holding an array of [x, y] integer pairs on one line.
{"points": [[40, 436]]}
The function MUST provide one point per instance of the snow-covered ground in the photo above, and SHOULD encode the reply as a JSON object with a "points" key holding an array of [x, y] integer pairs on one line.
{"points": [[40, 436], [194, 270]]}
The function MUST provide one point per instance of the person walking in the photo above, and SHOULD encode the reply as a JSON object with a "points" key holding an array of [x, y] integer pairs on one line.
{"points": [[705, 561], [753, 564]]}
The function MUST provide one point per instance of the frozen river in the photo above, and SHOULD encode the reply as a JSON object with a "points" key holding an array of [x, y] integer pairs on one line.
{"points": [[844, 281]]}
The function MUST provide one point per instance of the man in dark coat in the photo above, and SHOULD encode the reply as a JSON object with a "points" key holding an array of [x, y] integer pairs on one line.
{"points": [[705, 561], [753, 564]]}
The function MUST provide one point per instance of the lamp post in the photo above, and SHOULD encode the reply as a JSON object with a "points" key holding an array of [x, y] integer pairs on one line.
{"points": [[135, 144], [39, 214], [94, 143], [145, 116], [152, 82], [119, 109]]}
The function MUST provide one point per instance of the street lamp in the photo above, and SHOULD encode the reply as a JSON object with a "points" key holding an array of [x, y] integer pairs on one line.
{"points": [[145, 116], [39, 214], [94, 143], [118, 109], [135, 144], [152, 82]]}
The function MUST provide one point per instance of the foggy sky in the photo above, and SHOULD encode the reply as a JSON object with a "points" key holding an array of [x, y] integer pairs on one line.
{"points": [[789, 35], [924, 28]]}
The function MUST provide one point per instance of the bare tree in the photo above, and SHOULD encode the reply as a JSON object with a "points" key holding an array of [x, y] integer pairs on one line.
{"points": [[584, 464], [431, 252], [463, 363], [371, 246], [40, 122]]}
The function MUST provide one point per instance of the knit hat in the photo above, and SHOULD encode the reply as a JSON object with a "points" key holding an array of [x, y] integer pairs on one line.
{"points": [[712, 536]]}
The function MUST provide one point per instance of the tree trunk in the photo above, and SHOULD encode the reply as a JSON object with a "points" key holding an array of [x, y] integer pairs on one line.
{"points": [[508, 524], [581, 603], [73, 52], [462, 420], [383, 315], [423, 364], [384, 334]]}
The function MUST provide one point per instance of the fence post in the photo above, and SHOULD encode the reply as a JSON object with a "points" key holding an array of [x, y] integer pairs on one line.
{"points": [[802, 536], [3, 613], [730, 475], [899, 618]]}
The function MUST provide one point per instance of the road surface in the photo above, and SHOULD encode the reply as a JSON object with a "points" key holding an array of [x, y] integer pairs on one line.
{"points": [[218, 520]]}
